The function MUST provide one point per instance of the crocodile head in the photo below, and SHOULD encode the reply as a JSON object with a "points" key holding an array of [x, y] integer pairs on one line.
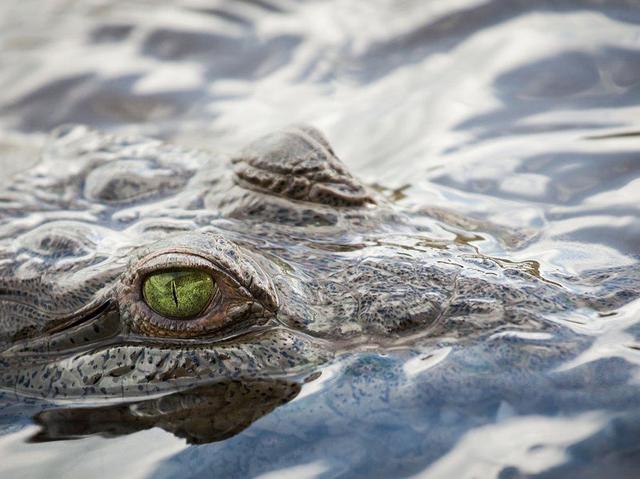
{"points": [[130, 268]]}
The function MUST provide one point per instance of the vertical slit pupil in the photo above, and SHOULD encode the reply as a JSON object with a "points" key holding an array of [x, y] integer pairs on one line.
{"points": [[174, 292]]}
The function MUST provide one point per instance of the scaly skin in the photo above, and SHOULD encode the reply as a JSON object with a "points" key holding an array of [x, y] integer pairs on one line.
{"points": [[311, 264]]}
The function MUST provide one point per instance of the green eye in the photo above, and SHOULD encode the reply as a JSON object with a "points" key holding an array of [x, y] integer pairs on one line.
{"points": [[180, 293]]}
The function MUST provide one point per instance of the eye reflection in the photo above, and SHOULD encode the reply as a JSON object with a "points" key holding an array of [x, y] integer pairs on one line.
{"points": [[178, 293]]}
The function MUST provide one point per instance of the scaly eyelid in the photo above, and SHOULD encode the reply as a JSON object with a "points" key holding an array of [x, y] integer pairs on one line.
{"points": [[162, 261]]}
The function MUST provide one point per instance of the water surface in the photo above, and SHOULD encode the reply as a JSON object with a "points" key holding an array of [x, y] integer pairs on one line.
{"points": [[520, 115]]}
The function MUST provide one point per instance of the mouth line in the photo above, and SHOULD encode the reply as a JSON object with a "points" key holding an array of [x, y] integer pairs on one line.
{"points": [[32, 347], [81, 317]]}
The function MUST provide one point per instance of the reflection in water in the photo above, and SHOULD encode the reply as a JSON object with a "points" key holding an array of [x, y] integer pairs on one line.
{"points": [[513, 123], [200, 415]]}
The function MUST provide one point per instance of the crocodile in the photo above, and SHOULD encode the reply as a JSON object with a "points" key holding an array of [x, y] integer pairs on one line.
{"points": [[135, 269]]}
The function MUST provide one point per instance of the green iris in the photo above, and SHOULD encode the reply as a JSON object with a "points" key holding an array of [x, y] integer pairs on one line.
{"points": [[179, 293]]}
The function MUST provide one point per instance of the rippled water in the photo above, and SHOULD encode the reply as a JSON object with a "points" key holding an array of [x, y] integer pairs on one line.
{"points": [[522, 115]]}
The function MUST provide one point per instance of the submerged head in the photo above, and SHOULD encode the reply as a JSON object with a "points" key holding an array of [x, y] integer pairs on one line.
{"points": [[133, 267], [198, 293], [130, 267]]}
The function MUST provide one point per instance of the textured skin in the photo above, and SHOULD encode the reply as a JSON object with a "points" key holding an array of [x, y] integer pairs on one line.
{"points": [[299, 164], [318, 265]]}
